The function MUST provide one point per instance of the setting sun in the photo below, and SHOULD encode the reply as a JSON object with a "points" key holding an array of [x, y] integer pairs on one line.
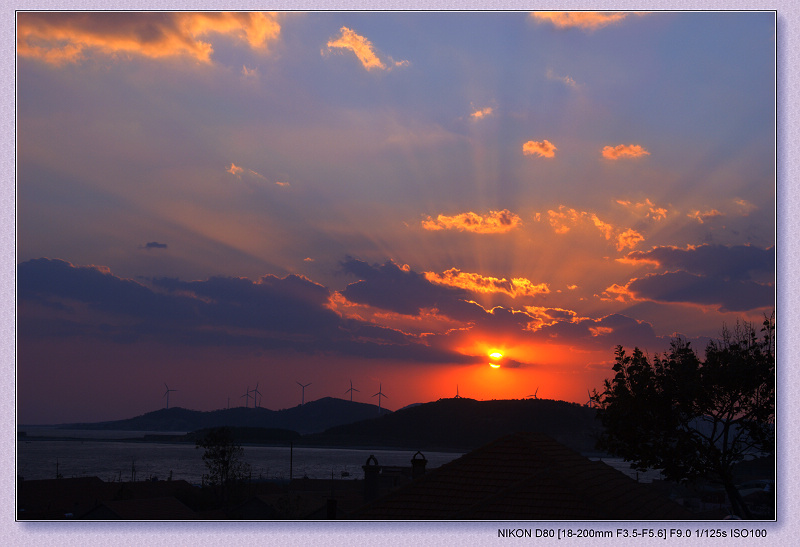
{"points": [[496, 355]]}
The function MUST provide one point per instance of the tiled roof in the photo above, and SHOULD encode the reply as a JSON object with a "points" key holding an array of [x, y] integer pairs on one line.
{"points": [[52, 499], [60, 498], [167, 508], [524, 476]]}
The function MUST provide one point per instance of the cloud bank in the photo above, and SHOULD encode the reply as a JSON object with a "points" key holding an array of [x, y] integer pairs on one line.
{"points": [[737, 278], [60, 38]]}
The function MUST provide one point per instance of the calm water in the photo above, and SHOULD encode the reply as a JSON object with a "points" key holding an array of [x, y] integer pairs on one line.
{"points": [[101, 454], [113, 460]]}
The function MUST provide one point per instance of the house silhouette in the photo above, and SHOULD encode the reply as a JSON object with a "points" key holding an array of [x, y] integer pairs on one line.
{"points": [[523, 476]]}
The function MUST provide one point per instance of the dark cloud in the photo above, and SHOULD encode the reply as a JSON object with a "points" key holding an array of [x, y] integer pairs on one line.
{"points": [[401, 290], [292, 313], [739, 262], [57, 283], [735, 278], [271, 313], [154, 245], [728, 294], [292, 304], [391, 287], [605, 332]]}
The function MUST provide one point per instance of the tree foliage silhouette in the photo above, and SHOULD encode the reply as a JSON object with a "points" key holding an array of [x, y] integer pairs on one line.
{"points": [[223, 458], [691, 418]]}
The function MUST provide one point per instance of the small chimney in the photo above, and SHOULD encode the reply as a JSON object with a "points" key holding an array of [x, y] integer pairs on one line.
{"points": [[418, 465], [371, 478]]}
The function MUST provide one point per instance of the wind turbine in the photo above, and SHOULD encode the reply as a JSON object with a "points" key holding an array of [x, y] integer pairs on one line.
{"points": [[166, 393], [589, 403], [379, 395], [247, 395], [350, 391], [457, 395], [256, 393], [303, 400], [534, 393]]}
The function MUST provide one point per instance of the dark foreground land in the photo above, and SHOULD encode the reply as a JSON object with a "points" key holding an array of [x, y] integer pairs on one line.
{"points": [[538, 475], [522, 476]]}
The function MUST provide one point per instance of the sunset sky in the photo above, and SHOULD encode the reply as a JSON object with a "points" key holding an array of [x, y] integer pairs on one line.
{"points": [[219, 200]]}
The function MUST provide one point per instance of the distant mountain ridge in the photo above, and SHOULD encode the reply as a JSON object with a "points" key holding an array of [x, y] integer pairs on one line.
{"points": [[457, 424], [464, 424], [312, 417]]}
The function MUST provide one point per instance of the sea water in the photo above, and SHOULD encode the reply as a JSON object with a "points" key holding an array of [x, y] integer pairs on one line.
{"points": [[103, 454]]}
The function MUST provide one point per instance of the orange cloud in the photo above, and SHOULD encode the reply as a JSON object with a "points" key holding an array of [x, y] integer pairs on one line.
{"points": [[518, 286], [235, 170], [362, 48], [585, 20], [482, 113], [619, 293], [702, 217], [69, 37], [624, 151], [654, 212], [542, 317], [606, 228], [565, 219], [629, 238], [545, 149], [425, 321], [745, 207], [600, 331], [493, 223], [638, 261]]}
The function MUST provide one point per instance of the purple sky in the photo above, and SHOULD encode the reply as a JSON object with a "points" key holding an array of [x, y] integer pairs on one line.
{"points": [[216, 200]]}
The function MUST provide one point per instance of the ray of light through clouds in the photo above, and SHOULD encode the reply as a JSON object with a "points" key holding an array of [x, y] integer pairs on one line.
{"points": [[217, 199]]}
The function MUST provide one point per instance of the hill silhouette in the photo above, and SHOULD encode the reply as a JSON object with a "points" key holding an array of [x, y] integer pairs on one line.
{"points": [[457, 424], [464, 424], [314, 416]]}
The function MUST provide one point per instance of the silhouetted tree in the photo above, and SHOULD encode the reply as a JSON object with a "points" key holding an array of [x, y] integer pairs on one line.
{"points": [[223, 458], [694, 419]]}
